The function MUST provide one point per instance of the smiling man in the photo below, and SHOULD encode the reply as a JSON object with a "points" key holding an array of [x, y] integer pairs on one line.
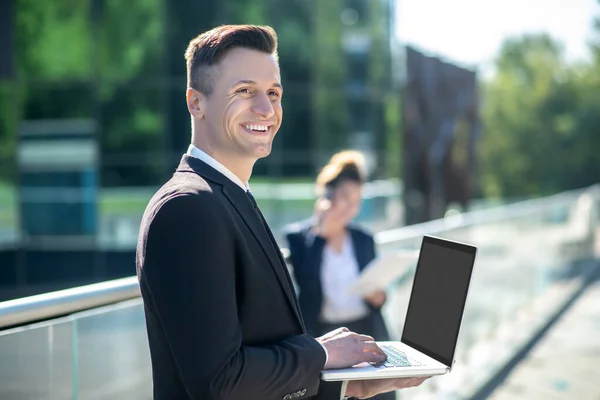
{"points": [[222, 317]]}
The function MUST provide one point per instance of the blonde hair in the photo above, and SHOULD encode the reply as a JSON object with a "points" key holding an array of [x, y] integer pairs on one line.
{"points": [[347, 165]]}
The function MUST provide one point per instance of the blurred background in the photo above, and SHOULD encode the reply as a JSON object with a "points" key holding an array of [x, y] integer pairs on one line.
{"points": [[479, 120]]}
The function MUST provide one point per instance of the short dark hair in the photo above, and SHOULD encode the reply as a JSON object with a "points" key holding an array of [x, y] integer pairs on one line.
{"points": [[208, 48]]}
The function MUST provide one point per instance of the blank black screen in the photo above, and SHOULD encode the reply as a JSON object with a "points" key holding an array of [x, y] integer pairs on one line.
{"points": [[438, 298]]}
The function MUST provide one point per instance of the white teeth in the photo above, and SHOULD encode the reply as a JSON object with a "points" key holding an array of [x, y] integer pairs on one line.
{"points": [[257, 127]]}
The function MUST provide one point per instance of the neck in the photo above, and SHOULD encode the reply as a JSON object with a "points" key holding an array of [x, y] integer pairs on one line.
{"points": [[238, 165], [336, 241], [339, 234]]}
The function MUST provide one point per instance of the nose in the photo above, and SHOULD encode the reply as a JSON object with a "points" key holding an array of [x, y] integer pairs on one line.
{"points": [[262, 106]]}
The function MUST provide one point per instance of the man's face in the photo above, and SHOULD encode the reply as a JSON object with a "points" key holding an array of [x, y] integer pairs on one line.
{"points": [[243, 113]]}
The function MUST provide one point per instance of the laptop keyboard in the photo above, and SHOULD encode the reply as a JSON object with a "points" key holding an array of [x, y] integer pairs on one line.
{"points": [[396, 358]]}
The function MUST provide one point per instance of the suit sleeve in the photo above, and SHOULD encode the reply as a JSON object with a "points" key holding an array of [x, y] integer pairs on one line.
{"points": [[189, 274]]}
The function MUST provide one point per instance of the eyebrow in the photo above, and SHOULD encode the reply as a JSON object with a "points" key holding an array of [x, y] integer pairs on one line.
{"points": [[250, 82]]}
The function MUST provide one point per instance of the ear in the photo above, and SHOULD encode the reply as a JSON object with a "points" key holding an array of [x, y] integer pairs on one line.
{"points": [[196, 103]]}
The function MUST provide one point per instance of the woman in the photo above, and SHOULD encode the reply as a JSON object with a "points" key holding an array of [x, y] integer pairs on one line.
{"points": [[328, 253]]}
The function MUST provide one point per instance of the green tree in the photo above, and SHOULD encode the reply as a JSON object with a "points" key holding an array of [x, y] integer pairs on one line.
{"points": [[586, 121], [130, 53], [528, 115], [330, 119], [77, 61], [541, 119]]}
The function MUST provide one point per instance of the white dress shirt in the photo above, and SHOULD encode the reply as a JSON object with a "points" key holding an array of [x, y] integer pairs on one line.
{"points": [[201, 155], [338, 272]]}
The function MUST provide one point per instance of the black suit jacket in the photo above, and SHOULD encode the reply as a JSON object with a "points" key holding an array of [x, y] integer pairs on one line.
{"points": [[222, 318], [306, 254]]}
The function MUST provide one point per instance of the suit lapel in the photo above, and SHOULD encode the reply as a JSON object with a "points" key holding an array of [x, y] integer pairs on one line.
{"points": [[240, 201], [245, 209]]}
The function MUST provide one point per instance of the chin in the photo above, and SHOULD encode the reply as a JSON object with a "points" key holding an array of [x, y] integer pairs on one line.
{"points": [[262, 149], [262, 153]]}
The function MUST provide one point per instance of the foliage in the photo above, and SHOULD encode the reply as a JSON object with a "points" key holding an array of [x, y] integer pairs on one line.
{"points": [[122, 64], [541, 117]]}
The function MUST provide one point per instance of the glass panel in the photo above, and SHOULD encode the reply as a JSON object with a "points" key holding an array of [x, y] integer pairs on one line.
{"points": [[516, 286], [527, 267], [114, 359], [37, 363]]}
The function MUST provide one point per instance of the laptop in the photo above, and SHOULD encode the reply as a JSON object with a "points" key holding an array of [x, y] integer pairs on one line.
{"points": [[433, 317]]}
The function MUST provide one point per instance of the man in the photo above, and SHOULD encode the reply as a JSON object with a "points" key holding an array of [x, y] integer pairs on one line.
{"points": [[222, 317]]}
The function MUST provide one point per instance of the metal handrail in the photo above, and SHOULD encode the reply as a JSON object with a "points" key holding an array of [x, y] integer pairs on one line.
{"points": [[486, 216], [59, 303], [63, 302]]}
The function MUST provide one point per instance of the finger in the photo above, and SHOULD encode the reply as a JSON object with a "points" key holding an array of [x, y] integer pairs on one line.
{"points": [[372, 347], [419, 381], [367, 341], [323, 206], [376, 386], [415, 383], [364, 338], [403, 383], [412, 382], [371, 357]]}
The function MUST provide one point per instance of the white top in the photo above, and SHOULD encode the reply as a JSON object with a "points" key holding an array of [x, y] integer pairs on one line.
{"points": [[201, 155], [338, 272]]}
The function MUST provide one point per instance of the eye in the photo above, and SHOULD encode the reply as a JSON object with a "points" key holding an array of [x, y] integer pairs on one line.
{"points": [[274, 93], [244, 91]]}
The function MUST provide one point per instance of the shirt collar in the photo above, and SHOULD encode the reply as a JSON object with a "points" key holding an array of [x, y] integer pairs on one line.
{"points": [[201, 155]]}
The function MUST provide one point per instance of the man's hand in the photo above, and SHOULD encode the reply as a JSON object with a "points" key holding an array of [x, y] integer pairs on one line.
{"points": [[369, 388], [346, 349], [376, 299]]}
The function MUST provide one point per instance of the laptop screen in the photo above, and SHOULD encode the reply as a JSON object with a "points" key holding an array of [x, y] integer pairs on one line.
{"points": [[438, 298]]}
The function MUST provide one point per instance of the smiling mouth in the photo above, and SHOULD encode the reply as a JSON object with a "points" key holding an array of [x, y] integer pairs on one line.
{"points": [[257, 129]]}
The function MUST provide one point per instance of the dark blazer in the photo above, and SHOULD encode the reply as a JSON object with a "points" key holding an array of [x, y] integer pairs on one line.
{"points": [[306, 255], [222, 318]]}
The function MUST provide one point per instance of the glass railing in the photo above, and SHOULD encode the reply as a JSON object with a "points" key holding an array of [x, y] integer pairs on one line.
{"points": [[533, 257], [281, 203], [97, 354], [120, 210], [94, 351]]}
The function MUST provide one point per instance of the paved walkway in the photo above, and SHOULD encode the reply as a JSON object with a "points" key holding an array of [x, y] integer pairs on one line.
{"points": [[565, 364]]}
